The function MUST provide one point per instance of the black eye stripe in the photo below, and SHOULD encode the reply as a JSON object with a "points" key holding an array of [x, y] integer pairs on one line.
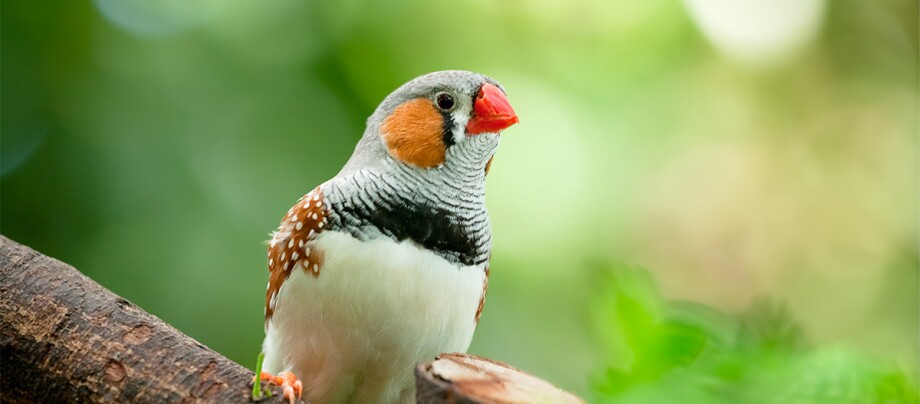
{"points": [[446, 104], [448, 127]]}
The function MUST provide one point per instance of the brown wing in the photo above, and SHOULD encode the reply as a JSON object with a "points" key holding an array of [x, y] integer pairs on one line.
{"points": [[482, 298], [291, 246]]}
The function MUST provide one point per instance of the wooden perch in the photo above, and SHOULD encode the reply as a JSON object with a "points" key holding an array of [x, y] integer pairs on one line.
{"points": [[65, 338], [463, 378]]}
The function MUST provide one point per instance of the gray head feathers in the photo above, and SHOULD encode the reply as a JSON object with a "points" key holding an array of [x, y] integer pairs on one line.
{"points": [[370, 150]]}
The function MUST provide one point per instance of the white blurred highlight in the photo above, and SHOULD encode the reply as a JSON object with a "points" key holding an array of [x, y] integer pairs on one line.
{"points": [[763, 33], [155, 18]]}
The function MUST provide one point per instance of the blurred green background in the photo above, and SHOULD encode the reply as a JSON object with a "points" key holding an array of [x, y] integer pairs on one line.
{"points": [[738, 151]]}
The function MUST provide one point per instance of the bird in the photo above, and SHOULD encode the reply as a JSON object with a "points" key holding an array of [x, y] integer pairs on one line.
{"points": [[386, 264]]}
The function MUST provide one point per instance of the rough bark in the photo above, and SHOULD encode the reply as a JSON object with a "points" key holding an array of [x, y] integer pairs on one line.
{"points": [[65, 338], [463, 378]]}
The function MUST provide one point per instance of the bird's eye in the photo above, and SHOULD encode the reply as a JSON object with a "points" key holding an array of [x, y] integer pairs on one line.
{"points": [[445, 101]]}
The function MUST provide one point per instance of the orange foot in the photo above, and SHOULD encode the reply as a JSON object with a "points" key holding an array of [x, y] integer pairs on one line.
{"points": [[290, 386]]}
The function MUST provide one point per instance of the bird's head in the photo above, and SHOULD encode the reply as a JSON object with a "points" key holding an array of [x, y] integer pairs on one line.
{"points": [[441, 118]]}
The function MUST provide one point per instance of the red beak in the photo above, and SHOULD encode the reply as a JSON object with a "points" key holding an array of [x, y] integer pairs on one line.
{"points": [[491, 111]]}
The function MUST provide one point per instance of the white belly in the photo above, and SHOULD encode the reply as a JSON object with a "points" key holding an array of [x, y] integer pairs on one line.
{"points": [[377, 309]]}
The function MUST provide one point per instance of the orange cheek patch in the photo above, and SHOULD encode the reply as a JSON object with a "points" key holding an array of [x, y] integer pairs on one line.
{"points": [[414, 134]]}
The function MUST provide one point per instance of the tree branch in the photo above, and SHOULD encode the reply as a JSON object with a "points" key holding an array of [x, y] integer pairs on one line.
{"points": [[463, 378], [65, 338]]}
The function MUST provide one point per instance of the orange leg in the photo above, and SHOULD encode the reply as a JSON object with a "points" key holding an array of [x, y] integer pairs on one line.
{"points": [[290, 386]]}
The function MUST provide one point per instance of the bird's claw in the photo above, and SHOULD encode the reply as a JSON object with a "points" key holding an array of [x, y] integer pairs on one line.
{"points": [[290, 386]]}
